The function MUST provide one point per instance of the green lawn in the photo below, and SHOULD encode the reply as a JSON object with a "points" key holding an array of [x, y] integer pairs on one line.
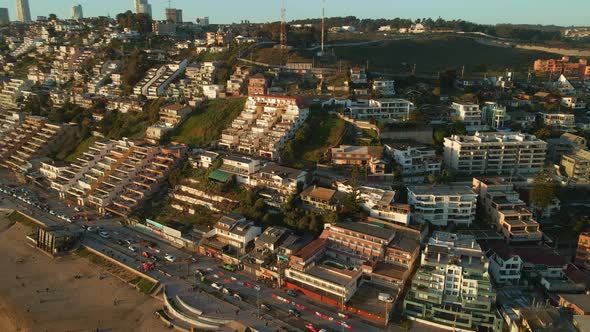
{"points": [[81, 148], [207, 122], [320, 132], [438, 53]]}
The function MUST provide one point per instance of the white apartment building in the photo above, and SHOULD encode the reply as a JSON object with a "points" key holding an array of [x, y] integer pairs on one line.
{"points": [[443, 204], [384, 87], [390, 110], [469, 114], [51, 170], [559, 121], [264, 126], [416, 161], [452, 287], [242, 167], [12, 91], [156, 80], [573, 102], [494, 115], [505, 266], [495, 153], [380, 203]]}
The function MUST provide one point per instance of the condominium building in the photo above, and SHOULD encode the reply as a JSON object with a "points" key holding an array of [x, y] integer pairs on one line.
{"points": [[358, 75], [279, 181], [156, 80], [30, 139], [118, 176], [23, 11], [76, 12], [364, 156], [242, 167], [576, 166], [190, 195], [494, 115], [265, 125], [564, 66], [231, 234], [452, 287], [416, 161], [348, 254], [12, 93], [559, 121], [507, 211], [142, 7], [469, 114], [379, 203], [442, 205], [174, 15], [583, 251], [505, 265], [390, 110], [495, 153], [567, 143], [4, 17], [384, 87]]}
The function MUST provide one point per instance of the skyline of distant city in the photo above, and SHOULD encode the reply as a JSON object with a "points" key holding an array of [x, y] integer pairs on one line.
{"points": [[492, 12]]}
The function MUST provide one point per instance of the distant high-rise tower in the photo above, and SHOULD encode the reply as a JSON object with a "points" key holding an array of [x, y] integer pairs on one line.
{"points": [[23, 12], [174, 15], [77, 12], [142, 7], [4, 18], [203, 21]]}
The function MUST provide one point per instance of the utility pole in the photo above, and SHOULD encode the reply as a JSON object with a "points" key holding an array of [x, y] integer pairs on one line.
{"points": [[323, 24], [283, 25], [463, 71]]}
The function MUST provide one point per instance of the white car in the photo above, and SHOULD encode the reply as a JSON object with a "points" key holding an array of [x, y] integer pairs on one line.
{"points": [[104, 235], [170, 258], [217, 286], [132, 248]]}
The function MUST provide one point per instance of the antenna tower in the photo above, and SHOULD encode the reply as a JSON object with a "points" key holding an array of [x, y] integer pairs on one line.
{"points": [[323, 24], [283, 25]]}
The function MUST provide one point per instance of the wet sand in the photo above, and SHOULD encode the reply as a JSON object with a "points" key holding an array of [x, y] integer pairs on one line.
{"points": [[38, 293]]}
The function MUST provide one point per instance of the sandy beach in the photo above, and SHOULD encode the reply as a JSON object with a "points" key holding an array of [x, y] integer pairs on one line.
{"points": [[38, 293]]}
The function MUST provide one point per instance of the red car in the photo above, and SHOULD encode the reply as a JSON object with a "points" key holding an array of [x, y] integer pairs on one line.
{"points": [[310, 327]]}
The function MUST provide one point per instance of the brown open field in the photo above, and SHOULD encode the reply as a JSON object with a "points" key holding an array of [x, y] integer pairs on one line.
{"points": [[38, 293]]}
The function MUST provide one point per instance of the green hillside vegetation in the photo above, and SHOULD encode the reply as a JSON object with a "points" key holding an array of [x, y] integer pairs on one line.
{"points": [[207, 122], [80, 149], [438, 53], [320, 132]]}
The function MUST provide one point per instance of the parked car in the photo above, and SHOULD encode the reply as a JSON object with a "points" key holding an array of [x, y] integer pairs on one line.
{"points": [[291, 292], [170, 258], [226, 291], [132, 248], [217, 286], [104, 235], [265, 306], [238, 297], [230, 267], [294, 312]]}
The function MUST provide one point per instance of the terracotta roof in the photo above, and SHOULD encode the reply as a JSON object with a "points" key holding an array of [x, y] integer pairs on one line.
{"points": [[324, 194], [310, 249]]}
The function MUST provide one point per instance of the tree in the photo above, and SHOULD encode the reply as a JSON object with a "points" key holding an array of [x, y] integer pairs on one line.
{"points": [[543, 190], [543, 133]]}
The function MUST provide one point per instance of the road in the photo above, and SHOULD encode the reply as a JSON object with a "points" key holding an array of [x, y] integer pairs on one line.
{"points": [[179, 276]]}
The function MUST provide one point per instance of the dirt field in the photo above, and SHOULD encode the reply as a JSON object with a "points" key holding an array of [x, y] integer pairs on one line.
{"points": [[38, 293]]}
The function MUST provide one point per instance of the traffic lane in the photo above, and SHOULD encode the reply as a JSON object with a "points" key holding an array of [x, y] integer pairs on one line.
{"points": [[325, 317]]}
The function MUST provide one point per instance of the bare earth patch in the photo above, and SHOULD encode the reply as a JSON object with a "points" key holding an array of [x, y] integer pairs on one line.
{"points": [[38, 293]]}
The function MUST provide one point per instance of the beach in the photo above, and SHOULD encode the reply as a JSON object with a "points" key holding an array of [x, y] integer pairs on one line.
{"points": [[39, 293]]}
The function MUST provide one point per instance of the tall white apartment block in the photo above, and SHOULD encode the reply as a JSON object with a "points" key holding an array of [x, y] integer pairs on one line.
{"points": [[442, 205], [495, 153], [469, 114], [23, 12]]}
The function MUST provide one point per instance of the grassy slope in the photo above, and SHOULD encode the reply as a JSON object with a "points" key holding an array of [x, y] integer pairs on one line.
{"points": [[435, 54], [207, 122], [81, 148], [320, 132]]}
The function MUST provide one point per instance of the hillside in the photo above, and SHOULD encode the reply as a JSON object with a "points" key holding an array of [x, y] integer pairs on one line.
{"points": [[438, 53], [207, 122]]}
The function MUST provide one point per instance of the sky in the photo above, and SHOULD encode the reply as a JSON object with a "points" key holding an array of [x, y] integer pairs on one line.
{"points": [[564, 12]]}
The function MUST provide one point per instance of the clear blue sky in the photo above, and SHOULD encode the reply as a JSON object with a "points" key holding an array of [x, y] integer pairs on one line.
{"points": [[560, 12]]}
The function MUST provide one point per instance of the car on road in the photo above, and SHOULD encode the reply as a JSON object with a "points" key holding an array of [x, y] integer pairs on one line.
{"points": [[266, 306], [91, 229], [310, 327], [129, 242], [104, 235], [291, 292], [217, 286], [120, 242], [238, 297], [132, 248], [226, 291], [230, 267], [170, 258], [295, 312]]}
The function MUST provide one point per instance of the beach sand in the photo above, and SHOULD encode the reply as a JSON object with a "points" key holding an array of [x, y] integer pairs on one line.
{"points": [[38, 293]]}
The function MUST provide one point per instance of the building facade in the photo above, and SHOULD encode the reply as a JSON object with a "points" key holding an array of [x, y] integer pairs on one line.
{"points": [[23, 11], [442, 205], [495, 153], [452, 287]]}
